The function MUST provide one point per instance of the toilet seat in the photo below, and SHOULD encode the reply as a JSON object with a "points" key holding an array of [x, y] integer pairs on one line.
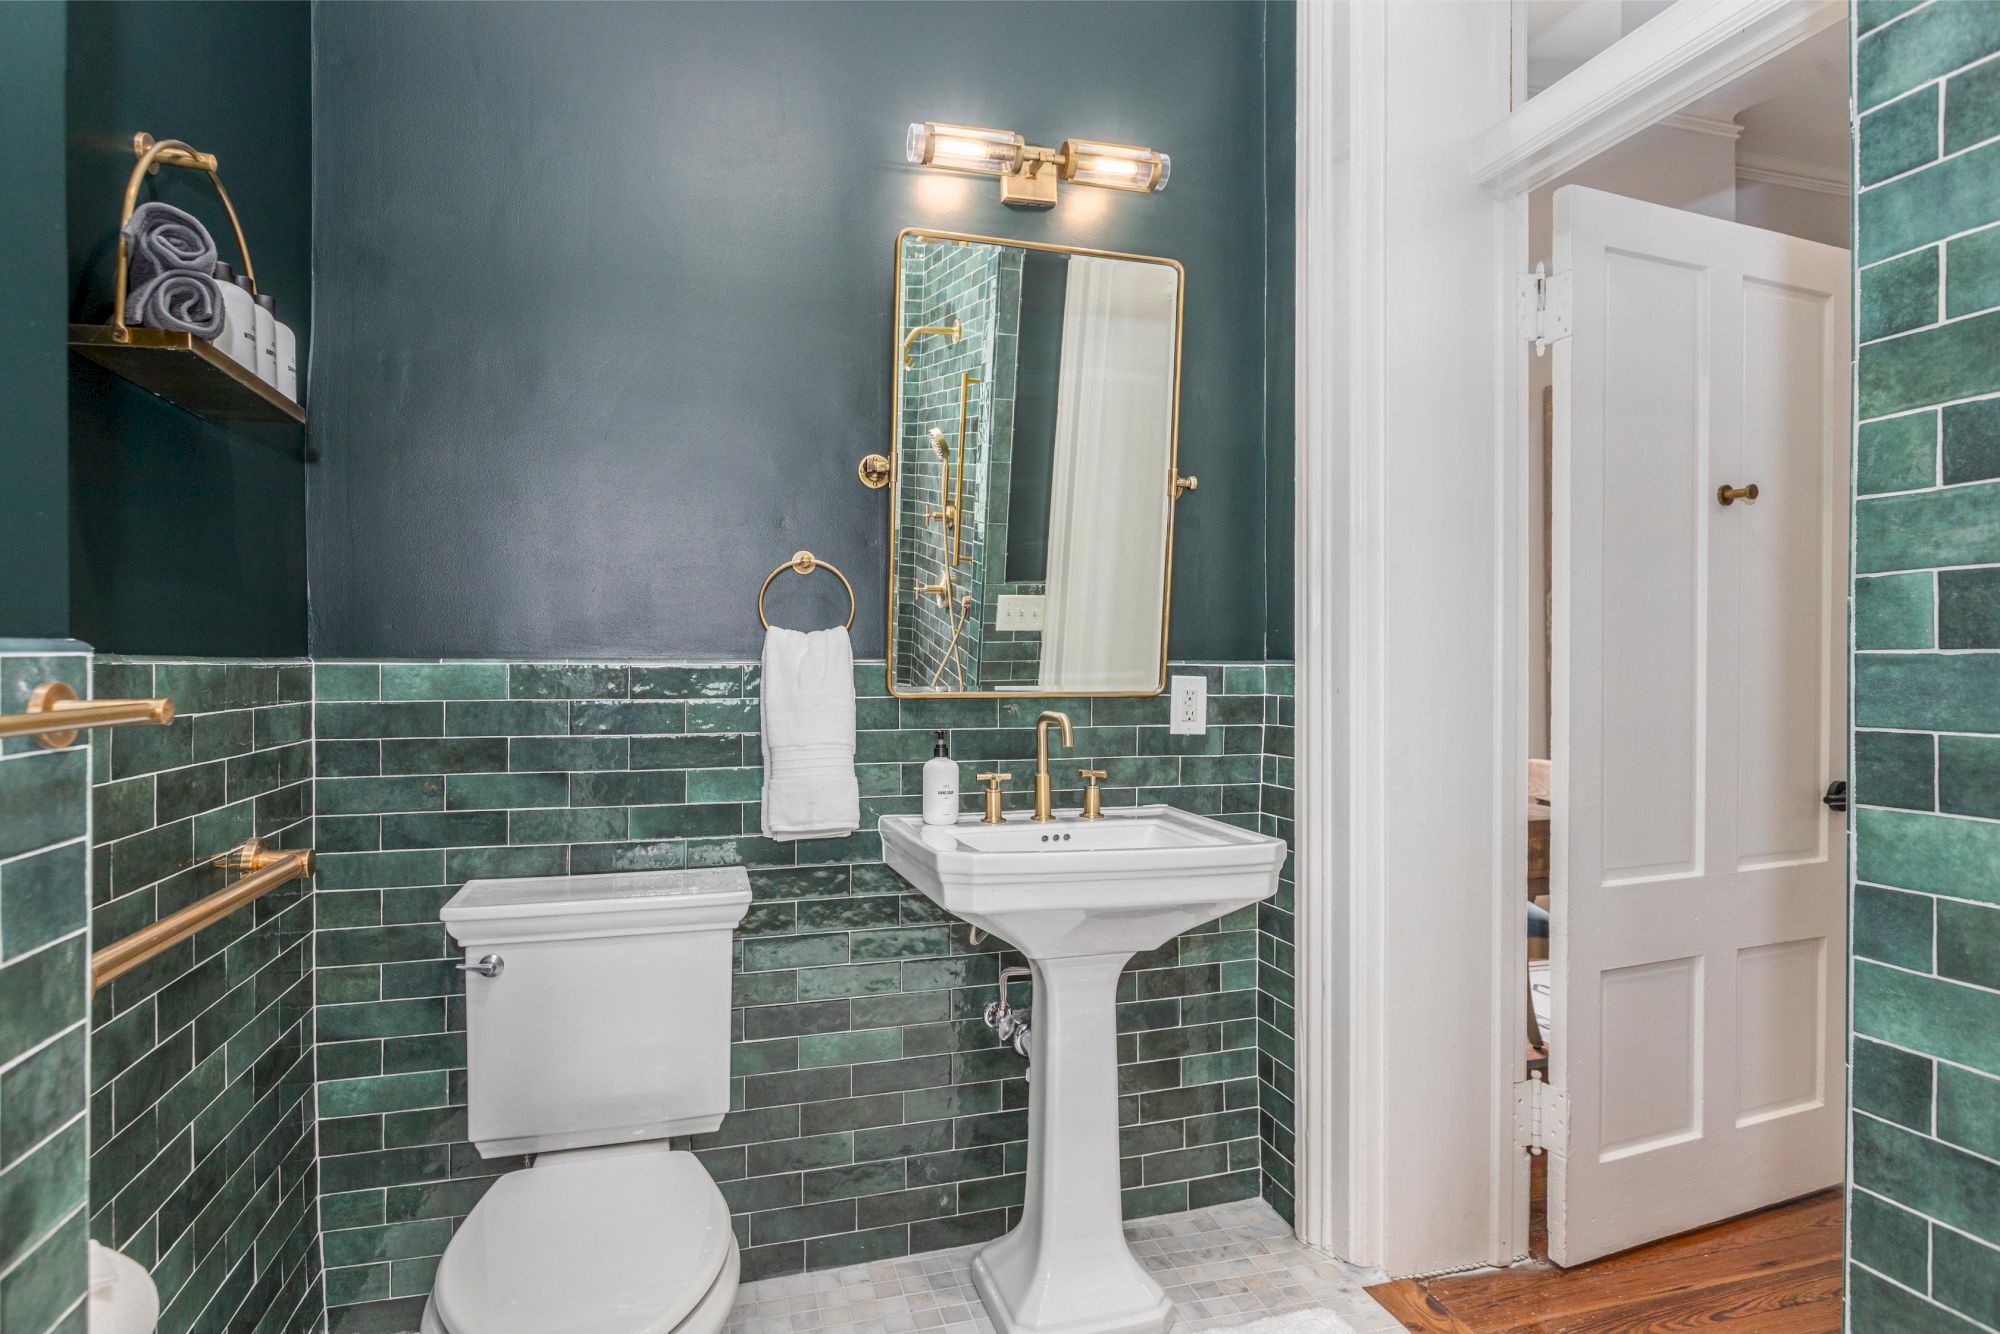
{"points": [[632, 1239]]}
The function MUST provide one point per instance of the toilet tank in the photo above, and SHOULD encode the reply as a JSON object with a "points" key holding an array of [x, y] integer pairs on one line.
{"points": [[607, 1018]]}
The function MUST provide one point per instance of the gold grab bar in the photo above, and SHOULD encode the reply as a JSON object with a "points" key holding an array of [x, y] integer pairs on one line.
{"points": [[175, 154], [804, 562], [266, 871], [55, 714], [966, 380]]}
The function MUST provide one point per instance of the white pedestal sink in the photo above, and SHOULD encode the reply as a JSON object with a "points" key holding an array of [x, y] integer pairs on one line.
{"points": [[1079, 898]]}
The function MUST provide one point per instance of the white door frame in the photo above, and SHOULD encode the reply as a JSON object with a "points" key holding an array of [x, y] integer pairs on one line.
{"points": [[1410, 975]]}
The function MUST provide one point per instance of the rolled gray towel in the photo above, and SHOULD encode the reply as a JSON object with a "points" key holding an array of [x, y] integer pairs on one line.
{"points": [[182, 302], [160, 238]]}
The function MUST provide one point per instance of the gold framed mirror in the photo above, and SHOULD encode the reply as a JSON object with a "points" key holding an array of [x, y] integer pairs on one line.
{"points": [[1032, 478]]}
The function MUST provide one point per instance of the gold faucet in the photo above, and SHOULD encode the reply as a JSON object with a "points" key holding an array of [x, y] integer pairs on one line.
{"points": [[1043, 801]]}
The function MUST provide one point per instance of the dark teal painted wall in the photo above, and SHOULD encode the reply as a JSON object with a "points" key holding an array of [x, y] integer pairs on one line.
{"points": [[603, 299], [1280, 317], [34, 496], [1924, 1193], [187, 536]]}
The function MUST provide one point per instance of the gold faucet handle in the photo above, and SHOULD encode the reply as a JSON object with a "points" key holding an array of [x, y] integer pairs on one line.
{"points": [[1093, 796], [993, 782]]}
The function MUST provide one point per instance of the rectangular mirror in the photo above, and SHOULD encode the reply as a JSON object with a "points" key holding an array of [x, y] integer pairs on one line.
{"points": [[1032, 468]]}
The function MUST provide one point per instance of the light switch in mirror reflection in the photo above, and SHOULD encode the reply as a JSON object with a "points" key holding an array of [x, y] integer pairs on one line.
{"points": [[1034, 448]]}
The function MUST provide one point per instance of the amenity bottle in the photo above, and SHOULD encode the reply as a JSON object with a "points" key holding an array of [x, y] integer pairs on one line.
{"points": [[941, 785], [239, 319], [267, 338]]}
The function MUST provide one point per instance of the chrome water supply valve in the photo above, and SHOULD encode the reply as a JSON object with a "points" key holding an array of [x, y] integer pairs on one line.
{"points": [[1010, 1023]]}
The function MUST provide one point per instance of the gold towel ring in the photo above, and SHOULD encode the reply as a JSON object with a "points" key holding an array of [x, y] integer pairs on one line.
{"points": [[804, 562]]}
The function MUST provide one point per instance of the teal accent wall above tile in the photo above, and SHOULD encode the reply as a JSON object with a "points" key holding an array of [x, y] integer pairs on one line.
{"points": [[34, 507], [1924, 1063], [873, 1114], [44, 1003], [692, 260], [188, 536]]}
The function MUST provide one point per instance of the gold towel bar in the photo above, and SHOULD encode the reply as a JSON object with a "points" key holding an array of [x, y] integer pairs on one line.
{"points": [[804, 562], [55, 714], [266, 871]]}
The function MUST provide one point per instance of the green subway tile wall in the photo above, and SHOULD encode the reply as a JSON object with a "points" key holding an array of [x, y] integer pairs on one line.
{"points": [[874, 1114], [1924, 1198], [44, 1004], [202, 1159], [1276, 1094]]}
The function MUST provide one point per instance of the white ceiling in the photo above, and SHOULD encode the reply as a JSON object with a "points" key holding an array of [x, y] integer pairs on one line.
{"points": [[1793, 109]]}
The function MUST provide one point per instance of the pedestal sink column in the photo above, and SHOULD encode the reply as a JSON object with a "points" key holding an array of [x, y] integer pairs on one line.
{"points": [[1066, 1267]]}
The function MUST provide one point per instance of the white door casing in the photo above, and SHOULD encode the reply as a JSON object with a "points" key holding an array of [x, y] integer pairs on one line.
{"points": [[1699, 714]]}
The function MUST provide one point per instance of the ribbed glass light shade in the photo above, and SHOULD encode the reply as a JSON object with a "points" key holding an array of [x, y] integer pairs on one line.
{"points": [[964, 148], [1115, 166]]}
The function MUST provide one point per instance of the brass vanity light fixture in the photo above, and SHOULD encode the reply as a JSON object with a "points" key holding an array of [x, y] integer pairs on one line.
{"points": [[1029, 173]]}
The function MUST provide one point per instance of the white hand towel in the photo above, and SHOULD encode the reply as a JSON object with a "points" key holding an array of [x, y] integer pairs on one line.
{"points": [[810, 790]]}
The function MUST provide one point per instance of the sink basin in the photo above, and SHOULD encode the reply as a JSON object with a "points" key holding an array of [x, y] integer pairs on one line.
{"points": [[1078, 898], [1129, 882]]}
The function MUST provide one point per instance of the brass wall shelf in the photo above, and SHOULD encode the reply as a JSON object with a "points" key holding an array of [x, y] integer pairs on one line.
{"points": [[186, 371]]}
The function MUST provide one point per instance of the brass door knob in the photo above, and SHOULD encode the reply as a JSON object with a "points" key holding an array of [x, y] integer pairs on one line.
{"points": [[993, 782], [1093, 796], [1729, 495]]}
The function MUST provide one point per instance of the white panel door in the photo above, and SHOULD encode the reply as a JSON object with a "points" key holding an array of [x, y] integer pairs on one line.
{"points": [[1698, 716]]}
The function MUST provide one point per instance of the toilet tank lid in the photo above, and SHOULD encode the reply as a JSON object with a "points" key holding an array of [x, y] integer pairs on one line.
{"points": [[619, 903]]}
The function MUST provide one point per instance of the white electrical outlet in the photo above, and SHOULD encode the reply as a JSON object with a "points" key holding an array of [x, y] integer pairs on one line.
{"points": [[1018, 612], [1190, 696]]}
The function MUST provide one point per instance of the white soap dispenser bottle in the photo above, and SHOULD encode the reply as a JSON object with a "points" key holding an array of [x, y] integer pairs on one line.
{"points": [[941, 785]]}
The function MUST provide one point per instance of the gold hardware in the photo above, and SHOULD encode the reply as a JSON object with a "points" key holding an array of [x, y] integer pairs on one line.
{"points": [[951, 658], [189, 372], [1033, 185], [175, 154], [993, 782], [804, 562], [941, 590], [951, 331], [1093, 796], [1028, 173], [1043, 797], [55, 715], [1729, 495], [266, 870], [1185, 484], [874, 471], [957, 508], [893, 593]]}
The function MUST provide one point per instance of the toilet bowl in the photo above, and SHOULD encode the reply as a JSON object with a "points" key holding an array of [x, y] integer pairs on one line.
{"points": [[628, 1240], [597, 1031]]}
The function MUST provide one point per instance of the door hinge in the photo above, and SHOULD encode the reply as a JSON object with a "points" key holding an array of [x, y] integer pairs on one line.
{"points": [[1542, 308], [1541, 1116]]}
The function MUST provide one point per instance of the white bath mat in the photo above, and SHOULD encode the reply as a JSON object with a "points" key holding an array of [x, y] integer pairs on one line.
{"points": [[1298, 1322]]}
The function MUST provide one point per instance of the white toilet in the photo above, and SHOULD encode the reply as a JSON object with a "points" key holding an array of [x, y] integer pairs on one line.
{"points": [[597, 1025]]}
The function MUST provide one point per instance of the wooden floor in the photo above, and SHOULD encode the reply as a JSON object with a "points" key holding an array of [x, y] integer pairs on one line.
{"points": [[1775, 1272]]}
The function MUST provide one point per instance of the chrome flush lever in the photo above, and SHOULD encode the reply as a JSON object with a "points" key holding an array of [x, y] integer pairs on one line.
{"points": [[491, 965]]}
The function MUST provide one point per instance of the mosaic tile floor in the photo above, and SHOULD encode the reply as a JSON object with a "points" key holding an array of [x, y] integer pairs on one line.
{"points": [[1223, 1267]]}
